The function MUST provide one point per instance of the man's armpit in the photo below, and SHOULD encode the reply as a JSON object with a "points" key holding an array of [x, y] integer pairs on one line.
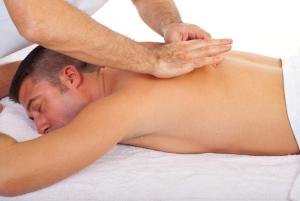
{"points": [[7, 72]]}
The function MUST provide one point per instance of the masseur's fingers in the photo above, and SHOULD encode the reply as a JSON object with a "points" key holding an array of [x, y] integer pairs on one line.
{"points": [[183, 57], [176, 32], [206, 43], [214, 60], [210, 51]]}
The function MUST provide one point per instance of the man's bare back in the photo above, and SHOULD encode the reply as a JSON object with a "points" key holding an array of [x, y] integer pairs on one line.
{"points": [[238, 107]]}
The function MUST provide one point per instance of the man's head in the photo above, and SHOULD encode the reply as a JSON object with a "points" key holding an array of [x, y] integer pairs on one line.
{"points": [[52, 87]]}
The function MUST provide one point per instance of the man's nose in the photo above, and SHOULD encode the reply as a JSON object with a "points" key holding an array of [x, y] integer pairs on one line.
{"points": [[42, 126], [43, 130]]}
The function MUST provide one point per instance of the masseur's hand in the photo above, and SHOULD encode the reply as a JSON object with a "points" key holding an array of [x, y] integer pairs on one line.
{"points": [[179, 58], [175, 32]]}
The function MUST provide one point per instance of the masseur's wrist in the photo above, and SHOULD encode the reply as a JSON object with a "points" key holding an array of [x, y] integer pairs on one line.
{"points": [[155, 61], [148, 60], [153, 54], [166, 27]]}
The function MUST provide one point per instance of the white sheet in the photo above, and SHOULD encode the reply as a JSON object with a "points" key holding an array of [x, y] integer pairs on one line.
{"points": [[128, 174]]}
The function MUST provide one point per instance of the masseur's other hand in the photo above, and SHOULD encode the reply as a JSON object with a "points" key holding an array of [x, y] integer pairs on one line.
{"points": [[182, 32], [179, 58]]}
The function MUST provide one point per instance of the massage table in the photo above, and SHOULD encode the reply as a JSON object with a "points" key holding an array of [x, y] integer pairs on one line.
{"points": [[129, 173]]}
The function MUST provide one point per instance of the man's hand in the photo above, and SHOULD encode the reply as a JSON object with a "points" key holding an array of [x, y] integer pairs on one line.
{"points": [[182, 32], [179, 58]]}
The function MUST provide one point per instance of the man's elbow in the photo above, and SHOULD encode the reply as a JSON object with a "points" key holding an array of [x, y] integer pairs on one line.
{"points": [[7, 191], [7, 188], [11, 184]]}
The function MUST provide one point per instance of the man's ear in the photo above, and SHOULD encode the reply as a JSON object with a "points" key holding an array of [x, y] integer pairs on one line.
{"points": [[71, 77]]}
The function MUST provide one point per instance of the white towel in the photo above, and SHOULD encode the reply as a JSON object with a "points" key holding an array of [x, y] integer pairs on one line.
{"points": [[135, 174], [295, 192], [14, 122]]}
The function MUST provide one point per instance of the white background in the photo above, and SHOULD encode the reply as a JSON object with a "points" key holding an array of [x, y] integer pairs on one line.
{"points": [[261, 26]]}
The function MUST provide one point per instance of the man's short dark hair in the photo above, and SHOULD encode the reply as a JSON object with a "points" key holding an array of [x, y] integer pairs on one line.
{"points": [[44, 64]]}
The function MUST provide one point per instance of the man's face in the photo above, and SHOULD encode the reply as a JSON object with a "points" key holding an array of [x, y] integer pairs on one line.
{"points": [[48, 106]]}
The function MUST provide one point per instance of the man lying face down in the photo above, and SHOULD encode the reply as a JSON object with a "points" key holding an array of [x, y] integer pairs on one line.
{"points": [[238, 107]]}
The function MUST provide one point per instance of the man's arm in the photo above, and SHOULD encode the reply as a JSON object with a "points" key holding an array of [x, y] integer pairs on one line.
{"points": [[34, 164], [164, 18], [59, 26], [7, 72]]}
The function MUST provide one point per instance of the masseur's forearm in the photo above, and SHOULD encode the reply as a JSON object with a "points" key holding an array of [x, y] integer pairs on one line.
{"points": [[59, 26], [158, 14], [7, 72]]}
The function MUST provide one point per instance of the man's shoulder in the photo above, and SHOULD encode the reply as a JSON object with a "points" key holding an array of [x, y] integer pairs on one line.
{"points": [[132, 84]]}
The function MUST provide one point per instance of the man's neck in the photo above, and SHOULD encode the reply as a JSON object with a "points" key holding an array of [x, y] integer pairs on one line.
{"points": [[107, 81]]}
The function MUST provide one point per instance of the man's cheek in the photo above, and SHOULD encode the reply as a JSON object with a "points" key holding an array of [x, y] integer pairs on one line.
{"points": [[67, 116]]}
